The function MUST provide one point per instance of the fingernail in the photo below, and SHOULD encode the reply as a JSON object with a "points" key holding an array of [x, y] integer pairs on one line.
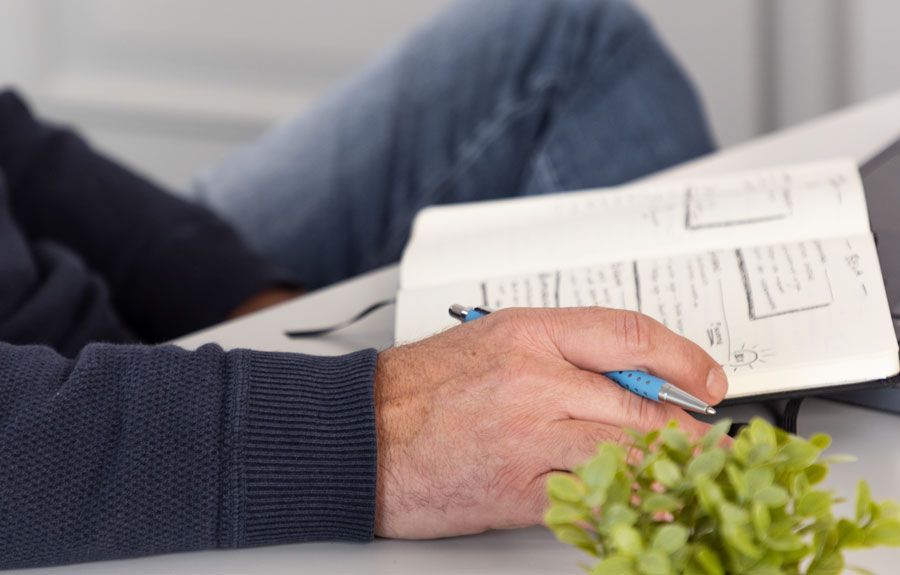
{"points": [[717, 383]]}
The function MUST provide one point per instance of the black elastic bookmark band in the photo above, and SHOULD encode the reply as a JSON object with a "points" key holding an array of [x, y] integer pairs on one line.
{"points": [[339, 326]]}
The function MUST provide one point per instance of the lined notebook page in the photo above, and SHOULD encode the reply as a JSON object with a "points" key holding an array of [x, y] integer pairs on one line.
{"points": [[517, 236], [763, 312]]}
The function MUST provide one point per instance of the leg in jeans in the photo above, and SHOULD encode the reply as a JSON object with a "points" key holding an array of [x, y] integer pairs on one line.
{"points": [[492, 99]]}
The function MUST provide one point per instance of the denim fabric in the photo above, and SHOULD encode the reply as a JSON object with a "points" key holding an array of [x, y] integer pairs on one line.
{"points": [[491, 99]]}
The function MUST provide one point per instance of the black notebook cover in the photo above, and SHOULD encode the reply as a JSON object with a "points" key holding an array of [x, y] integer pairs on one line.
{"points": [[881, 180]]}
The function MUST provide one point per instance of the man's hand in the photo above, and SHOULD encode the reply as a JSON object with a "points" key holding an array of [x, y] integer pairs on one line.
{"points": [[470, 422]]}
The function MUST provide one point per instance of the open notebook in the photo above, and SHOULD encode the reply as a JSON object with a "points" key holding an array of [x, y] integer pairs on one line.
{"points": [[774, 272]]}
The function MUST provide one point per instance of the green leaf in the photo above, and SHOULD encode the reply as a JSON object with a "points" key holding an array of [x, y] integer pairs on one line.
{"points": [[638, 439], [762, 432], [765, 570], [820, 441], [851, 534], [660, 502], [708, 560], [708, 493], [741, 539], [884, 533], [565, 487], [709, 463], [738, 481], [733, 515], [816, 473], [742, 446], [799, 454], [863, 501], [760, 454], [615, 565], [714, 436], [618, 513], [670, 537], [563, 513], [814, 504], [799, 484], [576, 537], [783, 538], [890, 509], [642, 471], [676, 440], [761, 518], [600, 471], [620, 491], [759, 478], [837, 459], [654, 563], [666, 472], [772, 496], [627, 540], [831, 564]]}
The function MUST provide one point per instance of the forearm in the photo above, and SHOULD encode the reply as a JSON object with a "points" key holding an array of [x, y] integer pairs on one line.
{"points": [[134, 450]]}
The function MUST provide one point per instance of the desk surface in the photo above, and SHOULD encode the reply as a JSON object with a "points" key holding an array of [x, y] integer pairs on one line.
{"points": [[857, 132]]}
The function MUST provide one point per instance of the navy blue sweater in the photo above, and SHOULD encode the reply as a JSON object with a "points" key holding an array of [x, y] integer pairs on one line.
{"points": [[115, 449]]}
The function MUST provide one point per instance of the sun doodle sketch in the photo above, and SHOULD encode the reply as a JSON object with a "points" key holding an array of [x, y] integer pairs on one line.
{"points": [[748, 357]]}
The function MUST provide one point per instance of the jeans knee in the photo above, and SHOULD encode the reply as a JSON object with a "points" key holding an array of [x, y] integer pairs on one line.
{"points": [[614, 15], [609, 23]]}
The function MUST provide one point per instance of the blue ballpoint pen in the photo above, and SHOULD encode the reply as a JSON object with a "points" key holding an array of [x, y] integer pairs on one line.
{"points": [[637, 382]]}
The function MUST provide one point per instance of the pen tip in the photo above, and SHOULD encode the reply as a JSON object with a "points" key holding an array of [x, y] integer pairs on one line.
{"points": [[710, 411]]}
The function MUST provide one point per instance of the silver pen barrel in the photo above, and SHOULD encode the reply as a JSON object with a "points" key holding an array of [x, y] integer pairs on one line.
{"points": [[459, 312], [670, 394]]}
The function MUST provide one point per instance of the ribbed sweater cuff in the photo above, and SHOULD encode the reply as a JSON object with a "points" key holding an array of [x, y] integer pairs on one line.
{"points": [[303, 450]]}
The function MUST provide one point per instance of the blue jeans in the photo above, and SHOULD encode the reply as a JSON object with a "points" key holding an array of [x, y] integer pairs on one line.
{"points": [[492, 99]]}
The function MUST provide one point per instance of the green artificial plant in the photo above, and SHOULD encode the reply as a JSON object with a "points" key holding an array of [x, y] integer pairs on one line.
{"points": [[673, 506]]}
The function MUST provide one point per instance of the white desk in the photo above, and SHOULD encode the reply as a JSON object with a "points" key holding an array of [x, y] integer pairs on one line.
{"points": [[859, 133]]}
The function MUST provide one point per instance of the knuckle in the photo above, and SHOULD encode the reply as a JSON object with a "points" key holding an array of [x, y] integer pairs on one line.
{"points": [[634, 332]]}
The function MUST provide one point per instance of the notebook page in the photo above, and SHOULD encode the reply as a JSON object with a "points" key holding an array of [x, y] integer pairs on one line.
{"points": [[777, 317], [602, 226]]}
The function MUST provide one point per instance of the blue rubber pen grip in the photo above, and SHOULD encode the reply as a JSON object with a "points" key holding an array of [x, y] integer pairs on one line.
{"points": [[474, 314], [638, 383]]}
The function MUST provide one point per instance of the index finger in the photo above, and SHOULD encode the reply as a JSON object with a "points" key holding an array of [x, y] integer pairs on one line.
{"points": [[603, 340]]}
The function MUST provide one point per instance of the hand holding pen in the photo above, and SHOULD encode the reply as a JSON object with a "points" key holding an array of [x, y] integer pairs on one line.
{"points": [[491, 408], [637, 382]]}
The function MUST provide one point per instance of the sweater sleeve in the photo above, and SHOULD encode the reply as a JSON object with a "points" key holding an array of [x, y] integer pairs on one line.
{"points": [[136, 450], [171, 266], [48, 296]]}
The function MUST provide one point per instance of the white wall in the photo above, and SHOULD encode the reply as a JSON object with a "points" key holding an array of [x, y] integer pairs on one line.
{"points": [[873, 46], [720, 45], [172, 85]]}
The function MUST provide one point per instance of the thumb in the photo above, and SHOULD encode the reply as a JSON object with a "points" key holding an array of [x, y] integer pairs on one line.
{"points": [[603, 340]]}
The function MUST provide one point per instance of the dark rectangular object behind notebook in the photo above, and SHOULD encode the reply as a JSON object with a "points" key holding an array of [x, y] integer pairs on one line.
{"points": [[881, 180]]}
